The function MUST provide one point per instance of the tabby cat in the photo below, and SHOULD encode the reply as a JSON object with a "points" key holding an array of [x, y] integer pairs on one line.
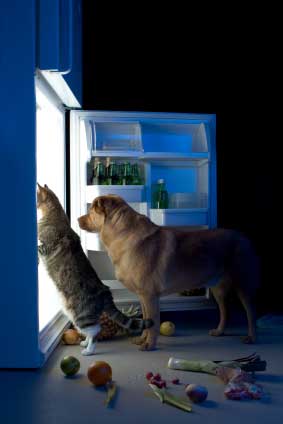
{"points": [[84, 295]]}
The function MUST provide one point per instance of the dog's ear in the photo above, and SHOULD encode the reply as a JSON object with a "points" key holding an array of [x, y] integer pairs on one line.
{"points": [[98, 205], [104, 204]]}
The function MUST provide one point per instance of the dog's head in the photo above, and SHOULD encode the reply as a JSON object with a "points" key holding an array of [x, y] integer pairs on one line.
{"points": [[101, 208]]}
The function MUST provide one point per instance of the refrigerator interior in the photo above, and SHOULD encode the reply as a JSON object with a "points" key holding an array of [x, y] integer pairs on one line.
{"points": [[178, 148], [50, 158]]}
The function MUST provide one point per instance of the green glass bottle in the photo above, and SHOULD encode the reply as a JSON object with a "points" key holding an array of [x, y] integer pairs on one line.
{"points": [[108, 180], [136, 179], [113, 174], [120, 171], [99, 174], [161, 195], [127, 180]]}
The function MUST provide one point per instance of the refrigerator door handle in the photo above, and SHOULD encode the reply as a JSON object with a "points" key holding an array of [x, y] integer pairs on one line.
{"points": [[66, 36], [55, 35]]}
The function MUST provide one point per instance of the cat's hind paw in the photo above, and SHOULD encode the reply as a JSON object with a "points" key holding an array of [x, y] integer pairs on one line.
{"points": [[84, 343]]}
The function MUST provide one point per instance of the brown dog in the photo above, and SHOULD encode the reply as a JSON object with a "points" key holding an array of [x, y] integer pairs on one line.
{"points": [[153, 261]]}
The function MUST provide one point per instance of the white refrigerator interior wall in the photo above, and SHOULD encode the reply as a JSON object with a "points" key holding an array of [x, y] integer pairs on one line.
{"points": [[50, 136]]}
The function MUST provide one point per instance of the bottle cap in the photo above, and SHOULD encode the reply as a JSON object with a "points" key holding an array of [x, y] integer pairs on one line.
{"points": [[160, 181]]}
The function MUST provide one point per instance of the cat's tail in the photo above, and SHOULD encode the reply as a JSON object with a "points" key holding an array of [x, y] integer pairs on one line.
{"points": [[134, 325]]}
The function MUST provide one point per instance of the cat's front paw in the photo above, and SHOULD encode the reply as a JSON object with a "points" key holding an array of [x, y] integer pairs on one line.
{"points": [[84, 343], [42, 249], [88, 352]]}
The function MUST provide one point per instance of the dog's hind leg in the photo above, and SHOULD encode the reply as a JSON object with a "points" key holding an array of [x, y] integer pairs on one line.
{"points": [[245, 273], [251, 315], [219, 293]]}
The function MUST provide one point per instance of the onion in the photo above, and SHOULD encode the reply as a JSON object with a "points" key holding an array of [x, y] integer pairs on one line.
{"points": [[196, 393]]}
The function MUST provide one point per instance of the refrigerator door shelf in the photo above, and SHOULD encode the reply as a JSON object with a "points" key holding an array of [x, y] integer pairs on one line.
{"points": [[130, 193], [179, 217]]}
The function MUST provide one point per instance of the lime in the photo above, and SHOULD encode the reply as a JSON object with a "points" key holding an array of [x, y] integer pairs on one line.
{"points": [[70, 365]]}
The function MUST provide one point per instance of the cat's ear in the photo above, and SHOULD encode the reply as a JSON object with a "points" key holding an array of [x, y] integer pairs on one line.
{"points": [[41, 193]]}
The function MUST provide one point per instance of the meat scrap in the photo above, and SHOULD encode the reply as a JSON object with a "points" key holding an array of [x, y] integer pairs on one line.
{"points": [[240, 384]]}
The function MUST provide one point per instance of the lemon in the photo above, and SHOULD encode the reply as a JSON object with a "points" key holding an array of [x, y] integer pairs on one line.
{"points": [[167, 328]]}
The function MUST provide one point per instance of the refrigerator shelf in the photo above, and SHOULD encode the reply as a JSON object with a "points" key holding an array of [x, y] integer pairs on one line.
{"points": [[130, 193], [198, 158], [117, 153], [179, 217], [186, 218], [173, 302], [175, 159]]}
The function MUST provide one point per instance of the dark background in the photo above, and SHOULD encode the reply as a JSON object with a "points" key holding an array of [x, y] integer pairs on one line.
{"points": [[143, 56]]}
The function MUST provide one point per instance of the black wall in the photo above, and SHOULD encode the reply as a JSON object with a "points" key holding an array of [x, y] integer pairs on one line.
{"points": [[176, 60]]}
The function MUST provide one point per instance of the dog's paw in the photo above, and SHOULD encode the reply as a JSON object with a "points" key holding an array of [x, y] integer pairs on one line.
{"points": [[147, 346], [248, 339], [215, 332], [138, 340]]}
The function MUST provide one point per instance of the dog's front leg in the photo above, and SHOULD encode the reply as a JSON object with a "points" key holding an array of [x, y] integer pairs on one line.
{"points": [[139, 340], [152, 310]]}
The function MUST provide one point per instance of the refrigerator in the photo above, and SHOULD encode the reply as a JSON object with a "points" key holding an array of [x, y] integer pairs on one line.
{"points": [[46, 137]]}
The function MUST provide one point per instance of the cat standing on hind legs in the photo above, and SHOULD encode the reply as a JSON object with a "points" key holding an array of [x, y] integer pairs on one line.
{"points": [[84, 295]]}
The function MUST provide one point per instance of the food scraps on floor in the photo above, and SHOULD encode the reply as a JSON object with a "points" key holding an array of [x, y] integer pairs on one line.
{"points": [[196, 393], [234, 373], [111, 388], [166, 397]]}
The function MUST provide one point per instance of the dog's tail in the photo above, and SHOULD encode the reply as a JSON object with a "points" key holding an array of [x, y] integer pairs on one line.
{"points": [[134, 325]]}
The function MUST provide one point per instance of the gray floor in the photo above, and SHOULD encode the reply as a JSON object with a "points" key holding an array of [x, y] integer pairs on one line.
{"points": [[46, 396]]}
